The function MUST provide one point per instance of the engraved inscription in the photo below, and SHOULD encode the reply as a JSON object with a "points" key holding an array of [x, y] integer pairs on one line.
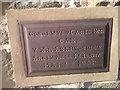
{"points": [[68, 56], [66, 47], [69, 32], [67, 40]]}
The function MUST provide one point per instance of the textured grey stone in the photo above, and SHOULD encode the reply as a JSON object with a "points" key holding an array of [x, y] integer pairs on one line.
{"points": [[7, 80], [106, 84], [6, 57], [7, 68], [73, 85], [117, 3], [3, 37], [25, 4], [3, 31]]}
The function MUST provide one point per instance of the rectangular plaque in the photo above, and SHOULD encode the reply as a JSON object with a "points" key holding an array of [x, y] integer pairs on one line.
{"points": [[66, 47]]}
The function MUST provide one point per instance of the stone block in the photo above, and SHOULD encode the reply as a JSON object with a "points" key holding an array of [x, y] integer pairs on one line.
{"points": [[16, 16]]}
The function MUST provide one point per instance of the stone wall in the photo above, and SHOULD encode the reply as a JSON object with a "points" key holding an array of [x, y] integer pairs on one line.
{"points": [[7, 67]]}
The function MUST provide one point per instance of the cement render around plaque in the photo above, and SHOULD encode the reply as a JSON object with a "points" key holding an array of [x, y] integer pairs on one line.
{"points": [[14, 16]]}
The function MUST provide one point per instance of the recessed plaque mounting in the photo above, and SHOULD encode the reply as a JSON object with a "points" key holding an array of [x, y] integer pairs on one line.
{"points": [[66, 47]]}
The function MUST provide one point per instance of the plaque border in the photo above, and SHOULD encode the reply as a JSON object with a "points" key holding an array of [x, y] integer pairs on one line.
{"points": [[23, 26]]}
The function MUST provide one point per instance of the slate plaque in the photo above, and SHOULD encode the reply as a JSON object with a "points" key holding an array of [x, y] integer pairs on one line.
{"points": [[66, 47]]}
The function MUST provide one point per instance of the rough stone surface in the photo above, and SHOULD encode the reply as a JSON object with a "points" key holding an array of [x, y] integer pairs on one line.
{"points": [[7, 67], [23, 4], [3, 32], [6, 57], [117, 4], [3, 37], [107, 84]]}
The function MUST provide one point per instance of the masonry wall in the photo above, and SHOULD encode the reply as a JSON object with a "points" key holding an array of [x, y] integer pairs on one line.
{"points": [[7, 67]]}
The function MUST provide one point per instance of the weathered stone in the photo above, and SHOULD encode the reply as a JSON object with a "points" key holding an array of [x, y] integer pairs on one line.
{"points": [[6, 57], [7, 81], [5, 6], [25, 4], [107, 84], [50, 4], [103, 3], [3, 37], [3, 32], [77, 4], [75, 85], [117, 3]]}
